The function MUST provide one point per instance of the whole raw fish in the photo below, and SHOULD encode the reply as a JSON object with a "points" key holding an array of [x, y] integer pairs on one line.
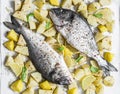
{"points": [[47, 61], [76, 30]]}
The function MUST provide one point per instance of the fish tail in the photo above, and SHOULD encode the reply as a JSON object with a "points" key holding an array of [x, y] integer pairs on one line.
{"points": [[107, 68], [14, 25]]}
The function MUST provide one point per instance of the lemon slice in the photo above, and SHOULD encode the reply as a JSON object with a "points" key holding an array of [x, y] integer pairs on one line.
{"points": [[87, 81]]}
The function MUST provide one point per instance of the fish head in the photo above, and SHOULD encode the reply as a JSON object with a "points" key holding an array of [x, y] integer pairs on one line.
{"points": [[61, 16]]}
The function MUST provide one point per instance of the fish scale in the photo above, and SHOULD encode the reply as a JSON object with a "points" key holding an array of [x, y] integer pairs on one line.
{"points": [[77, 32]]}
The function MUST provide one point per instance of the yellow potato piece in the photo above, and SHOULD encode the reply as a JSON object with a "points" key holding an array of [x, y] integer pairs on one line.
{"points": [[51, 40], [20, 15], [66, 4], [38, 16], [79, 74], [86, 68], [93, 7], [26, 5], [28, 91], [30, 67], [82, 6], [109, 81], [99, 36], [68, 60], [92, 20], [21, 41], [32, 25], [108, 56], [75, 2], [43, 13], [109, 26], [84, 13], [17, 86], [41, 27], [12, 35], [18, 4], [73, 91], [87, 81], [39, 3], [10, 45], [100, 89], [60, 39], [105, 2], [73, 85], [102, 28], [90, 91], [37, 76], [98, 81], [45, 91], [20, 59], [9, 61], [59, 90], [50, 32], [32, 83], [54, 2], [22, 50], [45, 85]]}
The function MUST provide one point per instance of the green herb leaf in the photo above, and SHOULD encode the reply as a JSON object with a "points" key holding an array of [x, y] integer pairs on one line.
{"points": [[47, 25], [23, 74], [79, 58], [94, 69], [29, 15], [98, 15], [61, 48]]}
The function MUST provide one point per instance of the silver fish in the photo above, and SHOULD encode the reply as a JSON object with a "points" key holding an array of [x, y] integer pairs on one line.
{"points": [[47, 61], [77, 32]]}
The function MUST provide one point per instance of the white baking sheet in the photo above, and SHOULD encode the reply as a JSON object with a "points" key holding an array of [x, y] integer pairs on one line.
{"points": [[6, 76]]}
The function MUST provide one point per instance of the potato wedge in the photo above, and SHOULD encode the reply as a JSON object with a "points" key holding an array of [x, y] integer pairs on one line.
{"points": [[17, 86], [10, 45], [99, 36], [37, 76], [26, 6], [16, 68], [73, 91], [82, 6], [50, 32], [59, 90], [12, 35], [108, 56], [79, 74], [32, 25], [109, 26], [73, 85], [100, 89], [28, 91], [66, 4], [54, 2], [105, 2], [18, 4], [92, 20], [20, 59], [39, 3], [102, 28], [92, 7], [32, 83], [45, 85], [20, 15], [51, 40], [109, 81], [75, 2], [90, 91], [21, 41], [30, 67], [22, 50], [44, 13], [41, 27], [41, 91], [9, 61]]}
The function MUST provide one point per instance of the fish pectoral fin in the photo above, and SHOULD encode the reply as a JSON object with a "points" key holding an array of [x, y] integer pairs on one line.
{"points": [[111, 67]]}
